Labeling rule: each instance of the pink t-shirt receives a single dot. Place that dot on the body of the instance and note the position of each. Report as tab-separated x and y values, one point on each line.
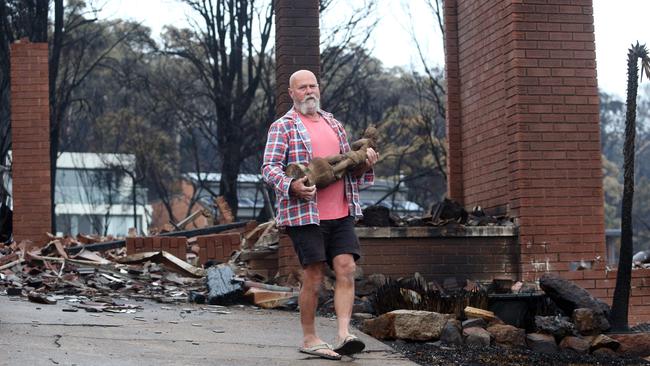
331	201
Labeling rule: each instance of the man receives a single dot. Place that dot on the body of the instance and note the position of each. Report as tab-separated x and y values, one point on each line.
319	222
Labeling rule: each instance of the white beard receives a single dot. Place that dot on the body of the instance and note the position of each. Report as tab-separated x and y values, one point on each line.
309	106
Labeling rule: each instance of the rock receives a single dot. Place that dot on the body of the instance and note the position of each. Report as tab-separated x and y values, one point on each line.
558	326
543	343
575	344
587	322
451	333
633	344
507	335
569	296
476	337
415	325
474	322
603	341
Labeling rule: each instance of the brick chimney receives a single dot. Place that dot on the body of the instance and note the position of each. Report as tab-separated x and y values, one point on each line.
523	124
30	131
297	45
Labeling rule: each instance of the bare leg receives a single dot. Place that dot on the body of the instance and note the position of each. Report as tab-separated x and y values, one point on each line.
344	268
308	301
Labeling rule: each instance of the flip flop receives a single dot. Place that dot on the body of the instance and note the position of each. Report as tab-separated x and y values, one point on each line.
314	351
350	345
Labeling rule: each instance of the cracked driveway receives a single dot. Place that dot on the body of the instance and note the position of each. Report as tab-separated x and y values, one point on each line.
186	334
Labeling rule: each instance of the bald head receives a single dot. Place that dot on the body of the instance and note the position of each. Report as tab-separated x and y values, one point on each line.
303	89
301	76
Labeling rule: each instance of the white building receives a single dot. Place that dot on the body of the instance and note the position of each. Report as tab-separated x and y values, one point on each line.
95	194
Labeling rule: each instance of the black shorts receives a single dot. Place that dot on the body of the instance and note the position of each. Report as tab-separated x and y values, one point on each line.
321	243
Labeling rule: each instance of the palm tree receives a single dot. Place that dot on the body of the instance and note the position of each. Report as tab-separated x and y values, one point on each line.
618	316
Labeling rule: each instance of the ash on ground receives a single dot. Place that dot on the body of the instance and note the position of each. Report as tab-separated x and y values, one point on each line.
431	354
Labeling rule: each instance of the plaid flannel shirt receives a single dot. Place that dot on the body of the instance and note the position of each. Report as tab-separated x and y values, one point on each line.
289	142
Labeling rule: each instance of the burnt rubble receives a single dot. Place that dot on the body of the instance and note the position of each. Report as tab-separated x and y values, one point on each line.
444	213
552	316
65	268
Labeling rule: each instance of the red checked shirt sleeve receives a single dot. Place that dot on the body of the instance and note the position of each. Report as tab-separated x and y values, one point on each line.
274	159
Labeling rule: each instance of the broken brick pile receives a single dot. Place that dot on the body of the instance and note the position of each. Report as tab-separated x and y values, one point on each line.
174	245
218	247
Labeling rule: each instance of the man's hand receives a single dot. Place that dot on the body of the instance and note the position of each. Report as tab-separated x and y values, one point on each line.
373	156
300	190
371	160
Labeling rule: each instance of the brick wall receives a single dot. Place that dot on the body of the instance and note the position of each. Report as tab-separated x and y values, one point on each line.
528	123
30	130
391	252
176	245
440	258
297	45
218	246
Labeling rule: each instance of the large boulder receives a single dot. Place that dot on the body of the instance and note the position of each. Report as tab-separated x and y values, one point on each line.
507	335
569	296
575	344
543	343
415	325
476	337
603	341
633	344
588	322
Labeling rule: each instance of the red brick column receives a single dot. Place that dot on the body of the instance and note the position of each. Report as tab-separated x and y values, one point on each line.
455	150
297	45
529	124
30	129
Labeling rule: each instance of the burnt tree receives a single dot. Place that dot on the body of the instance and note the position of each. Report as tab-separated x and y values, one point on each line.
227	52
619	314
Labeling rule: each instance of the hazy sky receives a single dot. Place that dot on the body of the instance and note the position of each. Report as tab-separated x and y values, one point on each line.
618	24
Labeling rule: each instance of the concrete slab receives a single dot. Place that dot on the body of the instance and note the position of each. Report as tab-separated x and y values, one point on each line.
35	334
